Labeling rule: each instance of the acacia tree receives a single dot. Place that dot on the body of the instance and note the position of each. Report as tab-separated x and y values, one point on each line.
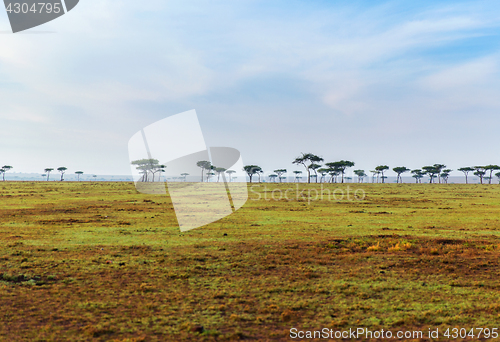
418	175
261	172
4	169
144	171
78	173
210	174
146	166
62	170
432	171
280	172
184	175
466	171
381	169
480	172
252	170
444	175
210	171
375	173
272	177
230	172
315	167
204	165
153	168
323	172
47	171
439	168
399	170
297	175
361	174
219	170
333	171
491	168
340	166
498	176
307	160
159	169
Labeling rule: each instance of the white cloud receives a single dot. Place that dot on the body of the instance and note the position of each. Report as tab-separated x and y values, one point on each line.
480	72
110	61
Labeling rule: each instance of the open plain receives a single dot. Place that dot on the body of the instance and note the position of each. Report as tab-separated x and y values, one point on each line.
99	261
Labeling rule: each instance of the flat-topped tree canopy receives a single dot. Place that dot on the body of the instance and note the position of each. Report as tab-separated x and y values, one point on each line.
252	170
308	160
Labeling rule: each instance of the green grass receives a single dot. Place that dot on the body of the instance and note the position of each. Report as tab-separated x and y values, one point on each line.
99	261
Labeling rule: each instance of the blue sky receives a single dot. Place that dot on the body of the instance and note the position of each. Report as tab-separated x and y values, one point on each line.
375	82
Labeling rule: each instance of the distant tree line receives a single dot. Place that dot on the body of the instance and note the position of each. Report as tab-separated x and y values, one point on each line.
317	170
314	166
47	171
212	170
148	168
62	170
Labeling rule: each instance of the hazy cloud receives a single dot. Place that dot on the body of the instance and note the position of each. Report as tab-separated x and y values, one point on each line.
346	74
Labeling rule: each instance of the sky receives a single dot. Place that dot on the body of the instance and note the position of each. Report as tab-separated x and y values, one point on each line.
398	83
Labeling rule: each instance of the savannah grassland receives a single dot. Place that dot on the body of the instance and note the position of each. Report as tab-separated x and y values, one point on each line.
99	261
